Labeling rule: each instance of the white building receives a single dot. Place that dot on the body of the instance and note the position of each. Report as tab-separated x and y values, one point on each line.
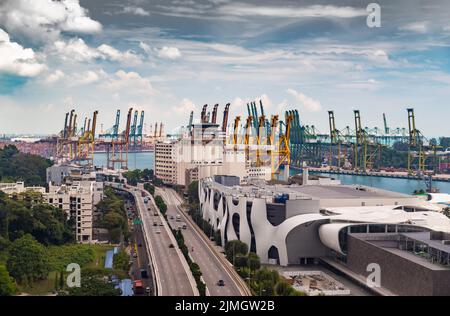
78	201
293	224
19	187
203	155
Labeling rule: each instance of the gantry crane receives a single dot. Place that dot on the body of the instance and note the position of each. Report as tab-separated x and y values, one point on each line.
420	148
86	141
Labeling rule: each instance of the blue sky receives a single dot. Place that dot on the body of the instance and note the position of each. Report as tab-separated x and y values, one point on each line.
169	57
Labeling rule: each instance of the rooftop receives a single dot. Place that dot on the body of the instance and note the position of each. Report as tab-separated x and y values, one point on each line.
316	192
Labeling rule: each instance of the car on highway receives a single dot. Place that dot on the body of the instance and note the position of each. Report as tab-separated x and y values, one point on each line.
155	223
171	217
155	214
171	246
147	290
161	224
158	231
184	226
134	255
220	283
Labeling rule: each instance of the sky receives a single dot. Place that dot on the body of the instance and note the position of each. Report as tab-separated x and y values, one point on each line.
169	57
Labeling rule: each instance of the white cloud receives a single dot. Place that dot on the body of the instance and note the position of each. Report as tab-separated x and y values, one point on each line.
307	102
135	11
86	77
45	19
113	54
129	82
315	11
416	27
169	53
145	47
75	49
185	107
18	60
55	76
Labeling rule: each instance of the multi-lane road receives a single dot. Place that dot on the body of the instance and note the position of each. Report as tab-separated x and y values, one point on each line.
213	264
170	270
173	276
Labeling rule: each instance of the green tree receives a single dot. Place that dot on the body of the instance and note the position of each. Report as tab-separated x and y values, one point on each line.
234	248
27	260
7	285
240	260
253	261
94	286
17	166
121	261
161	204
193	193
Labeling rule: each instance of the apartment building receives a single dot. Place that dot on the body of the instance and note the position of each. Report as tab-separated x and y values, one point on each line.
78	200
164	162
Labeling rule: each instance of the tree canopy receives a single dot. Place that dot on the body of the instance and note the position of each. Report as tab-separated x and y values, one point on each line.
17	166
27	260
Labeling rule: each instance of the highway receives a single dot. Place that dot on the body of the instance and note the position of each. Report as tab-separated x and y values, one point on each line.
213	264
172	275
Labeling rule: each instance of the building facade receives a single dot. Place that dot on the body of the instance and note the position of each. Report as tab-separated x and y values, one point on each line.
298	224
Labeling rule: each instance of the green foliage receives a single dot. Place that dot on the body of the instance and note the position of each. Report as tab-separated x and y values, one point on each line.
253	261
16	166
7	285
27	260
133	176
60	256
234	248
240	260
161	204
282	288
193	193
45	222
113	216
150	188
93	286
121	261
396	158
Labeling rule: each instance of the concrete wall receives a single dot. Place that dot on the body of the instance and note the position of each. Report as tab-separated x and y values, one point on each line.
398	275
304	242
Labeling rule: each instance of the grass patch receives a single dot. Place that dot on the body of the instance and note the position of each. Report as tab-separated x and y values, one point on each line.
87	256
43	287
99	256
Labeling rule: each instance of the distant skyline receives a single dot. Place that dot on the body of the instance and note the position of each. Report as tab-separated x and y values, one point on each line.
169	57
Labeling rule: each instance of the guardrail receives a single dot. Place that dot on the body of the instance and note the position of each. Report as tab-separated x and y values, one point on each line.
155	272
177	249
243	288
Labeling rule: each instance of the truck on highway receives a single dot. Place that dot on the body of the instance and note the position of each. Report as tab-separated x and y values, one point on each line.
138	288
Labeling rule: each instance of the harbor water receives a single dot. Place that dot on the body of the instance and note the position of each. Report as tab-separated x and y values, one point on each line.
144	160
140	160
406	186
